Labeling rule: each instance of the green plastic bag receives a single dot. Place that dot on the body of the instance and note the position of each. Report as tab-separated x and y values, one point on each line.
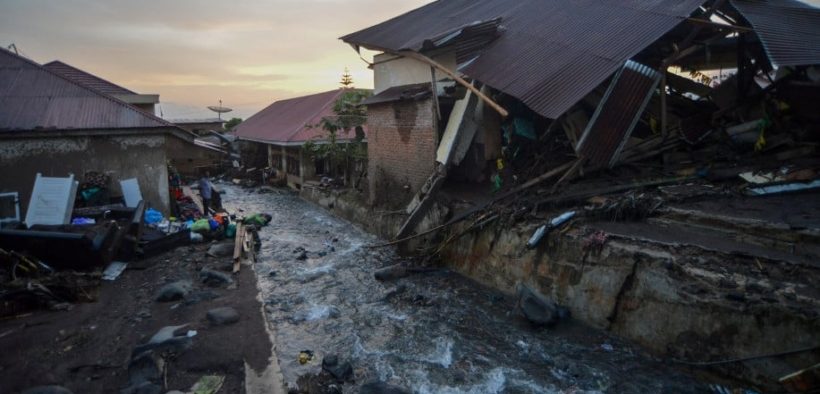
201	226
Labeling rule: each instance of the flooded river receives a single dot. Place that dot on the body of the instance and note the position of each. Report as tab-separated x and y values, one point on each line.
429	333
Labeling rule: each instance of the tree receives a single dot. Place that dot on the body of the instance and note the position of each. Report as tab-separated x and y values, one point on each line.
229	125
347	79
348	115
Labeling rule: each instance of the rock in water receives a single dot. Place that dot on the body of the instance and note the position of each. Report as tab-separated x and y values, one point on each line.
47	390
392	272
539	310
340	371
381	388
222	316
174	291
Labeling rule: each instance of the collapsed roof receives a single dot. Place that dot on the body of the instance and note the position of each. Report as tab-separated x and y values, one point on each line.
550	54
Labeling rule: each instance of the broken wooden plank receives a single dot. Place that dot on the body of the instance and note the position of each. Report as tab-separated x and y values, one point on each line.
425	59
423	201
238	244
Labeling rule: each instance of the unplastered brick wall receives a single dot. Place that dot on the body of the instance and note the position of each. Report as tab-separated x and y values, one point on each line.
402	142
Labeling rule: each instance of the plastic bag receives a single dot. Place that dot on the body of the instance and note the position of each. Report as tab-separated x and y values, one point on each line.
201	226
152	216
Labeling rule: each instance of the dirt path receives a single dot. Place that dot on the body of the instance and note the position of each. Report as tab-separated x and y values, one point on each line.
88	348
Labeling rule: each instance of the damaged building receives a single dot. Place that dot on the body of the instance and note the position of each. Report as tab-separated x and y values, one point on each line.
653	166
281	131
56	120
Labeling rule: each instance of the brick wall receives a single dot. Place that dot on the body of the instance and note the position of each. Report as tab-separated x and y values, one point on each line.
402	141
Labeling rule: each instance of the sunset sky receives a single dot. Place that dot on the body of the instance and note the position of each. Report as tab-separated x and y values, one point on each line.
192	53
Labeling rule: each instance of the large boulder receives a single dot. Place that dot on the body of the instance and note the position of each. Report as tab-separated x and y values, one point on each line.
538	309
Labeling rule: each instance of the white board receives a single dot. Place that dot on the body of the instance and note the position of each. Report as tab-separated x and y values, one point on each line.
52	200
131	192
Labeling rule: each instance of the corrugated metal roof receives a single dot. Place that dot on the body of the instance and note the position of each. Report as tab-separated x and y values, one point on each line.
415	91
617	114
290	121
550	53
85	79
32	98
788	29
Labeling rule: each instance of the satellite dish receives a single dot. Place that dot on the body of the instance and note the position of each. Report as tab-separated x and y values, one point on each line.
219	109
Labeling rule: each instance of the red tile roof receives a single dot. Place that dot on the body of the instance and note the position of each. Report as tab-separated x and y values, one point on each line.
292	121
85	79
34	98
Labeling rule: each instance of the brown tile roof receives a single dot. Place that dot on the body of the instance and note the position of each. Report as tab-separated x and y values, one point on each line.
548	54
86	79
35	98
289	121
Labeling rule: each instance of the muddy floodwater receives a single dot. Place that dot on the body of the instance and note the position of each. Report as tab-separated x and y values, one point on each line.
430	333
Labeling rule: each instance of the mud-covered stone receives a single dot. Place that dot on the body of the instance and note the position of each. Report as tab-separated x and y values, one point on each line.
174	291
223	315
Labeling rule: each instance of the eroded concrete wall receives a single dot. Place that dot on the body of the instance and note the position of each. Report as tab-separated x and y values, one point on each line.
680	301
189	159
122	157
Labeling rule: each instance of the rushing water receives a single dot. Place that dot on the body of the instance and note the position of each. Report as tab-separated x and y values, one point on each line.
431	333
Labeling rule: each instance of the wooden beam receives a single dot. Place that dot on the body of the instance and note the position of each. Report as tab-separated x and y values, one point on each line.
239	240
461	81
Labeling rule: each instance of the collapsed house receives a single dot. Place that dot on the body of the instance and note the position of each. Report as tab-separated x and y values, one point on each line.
283	129
650	128
55	125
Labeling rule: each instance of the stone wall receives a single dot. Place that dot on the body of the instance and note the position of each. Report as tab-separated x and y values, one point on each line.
402	141
121	157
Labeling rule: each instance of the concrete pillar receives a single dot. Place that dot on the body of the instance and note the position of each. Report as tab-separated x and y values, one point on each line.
284	162
301	167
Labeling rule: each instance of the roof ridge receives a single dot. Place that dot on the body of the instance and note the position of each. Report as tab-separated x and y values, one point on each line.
114	100
60	62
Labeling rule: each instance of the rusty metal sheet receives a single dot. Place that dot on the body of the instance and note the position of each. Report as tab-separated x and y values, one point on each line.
617	114
788	29
34	98
549	53
291	121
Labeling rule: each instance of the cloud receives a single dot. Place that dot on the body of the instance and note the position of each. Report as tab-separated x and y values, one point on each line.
193	52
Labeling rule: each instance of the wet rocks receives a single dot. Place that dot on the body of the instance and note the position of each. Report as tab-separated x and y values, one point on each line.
174	291
392	272
223	316
224	249
539	310
47	390
341	371
214	278
301	253
381	388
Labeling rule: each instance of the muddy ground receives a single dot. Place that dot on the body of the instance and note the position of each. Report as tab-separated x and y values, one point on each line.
87	349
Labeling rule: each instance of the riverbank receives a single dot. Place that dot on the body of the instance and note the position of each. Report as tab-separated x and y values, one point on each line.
434	332
88	348
701	281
